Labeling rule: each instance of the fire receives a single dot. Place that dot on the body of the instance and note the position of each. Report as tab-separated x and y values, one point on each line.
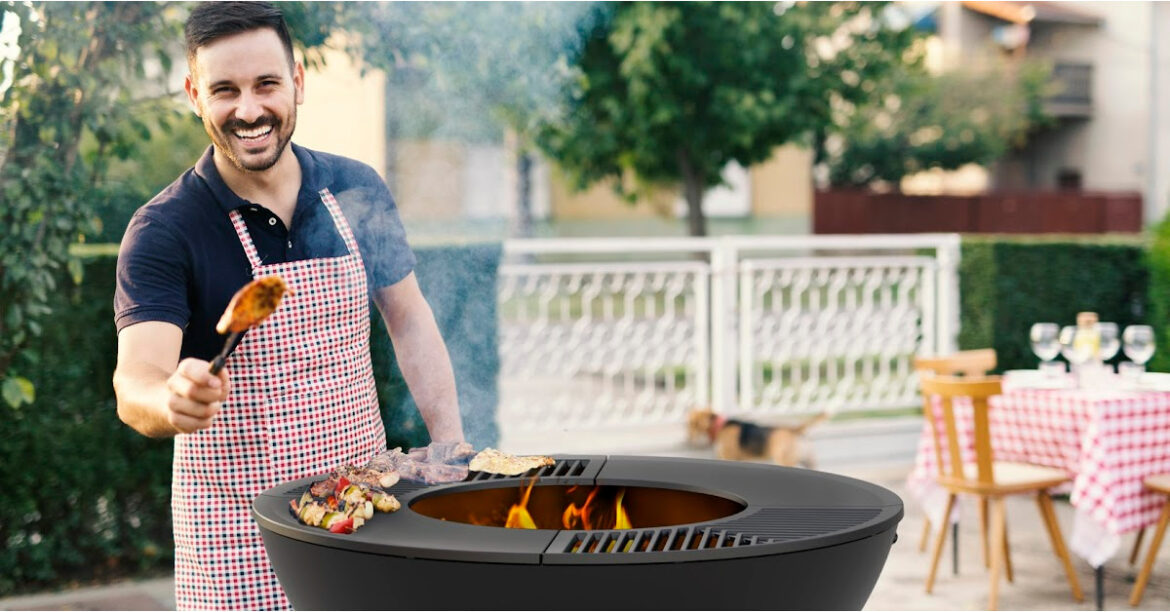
588	515
518	516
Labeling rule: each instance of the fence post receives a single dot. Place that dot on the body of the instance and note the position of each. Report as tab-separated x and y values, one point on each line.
724	257
949	253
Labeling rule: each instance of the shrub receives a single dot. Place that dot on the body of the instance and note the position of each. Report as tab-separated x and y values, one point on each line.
1007	284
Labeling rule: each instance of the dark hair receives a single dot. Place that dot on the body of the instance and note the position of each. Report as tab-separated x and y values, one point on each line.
211	21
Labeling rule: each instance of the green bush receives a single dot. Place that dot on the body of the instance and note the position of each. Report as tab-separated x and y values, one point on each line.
1007	284
1158	263
86	498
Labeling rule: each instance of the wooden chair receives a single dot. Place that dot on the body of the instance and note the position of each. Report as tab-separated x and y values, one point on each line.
1161	484
988	479
977	362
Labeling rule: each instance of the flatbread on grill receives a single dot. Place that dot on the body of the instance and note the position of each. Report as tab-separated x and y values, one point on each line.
492	461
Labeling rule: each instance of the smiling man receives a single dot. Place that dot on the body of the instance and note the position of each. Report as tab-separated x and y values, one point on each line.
297	396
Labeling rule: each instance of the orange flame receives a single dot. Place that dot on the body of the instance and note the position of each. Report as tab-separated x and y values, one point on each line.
622	520
518	516
587	516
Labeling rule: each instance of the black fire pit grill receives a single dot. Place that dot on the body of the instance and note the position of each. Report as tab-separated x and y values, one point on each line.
706	535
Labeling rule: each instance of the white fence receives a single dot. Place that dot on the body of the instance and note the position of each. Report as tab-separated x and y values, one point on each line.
613	333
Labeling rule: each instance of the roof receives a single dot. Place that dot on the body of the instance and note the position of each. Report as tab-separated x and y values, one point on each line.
1027	12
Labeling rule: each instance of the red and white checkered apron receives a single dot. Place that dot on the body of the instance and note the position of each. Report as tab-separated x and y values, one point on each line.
302	402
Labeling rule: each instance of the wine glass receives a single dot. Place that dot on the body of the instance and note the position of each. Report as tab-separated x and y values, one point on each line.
1075	352
1110	340
1138	343
1045	339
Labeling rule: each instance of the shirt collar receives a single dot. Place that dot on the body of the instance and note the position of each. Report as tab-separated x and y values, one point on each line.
315	176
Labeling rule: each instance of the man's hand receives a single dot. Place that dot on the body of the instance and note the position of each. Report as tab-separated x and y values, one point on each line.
195	395
158	395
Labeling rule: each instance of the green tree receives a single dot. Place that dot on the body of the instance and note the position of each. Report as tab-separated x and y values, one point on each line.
79	96
670	93
916	121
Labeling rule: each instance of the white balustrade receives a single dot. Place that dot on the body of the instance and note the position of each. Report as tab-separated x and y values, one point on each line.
610	333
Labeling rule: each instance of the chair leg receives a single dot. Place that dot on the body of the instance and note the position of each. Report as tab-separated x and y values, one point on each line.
1137	546
1007	554
939	540
925	535
1054	534
983	532
996	534
1139	587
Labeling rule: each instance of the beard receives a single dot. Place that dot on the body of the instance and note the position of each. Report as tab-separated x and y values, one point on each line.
243	157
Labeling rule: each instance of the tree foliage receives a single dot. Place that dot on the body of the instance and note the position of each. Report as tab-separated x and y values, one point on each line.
80	95
917	121
673	92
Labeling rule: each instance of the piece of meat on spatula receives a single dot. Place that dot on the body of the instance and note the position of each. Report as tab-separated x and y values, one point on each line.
252	304
247	309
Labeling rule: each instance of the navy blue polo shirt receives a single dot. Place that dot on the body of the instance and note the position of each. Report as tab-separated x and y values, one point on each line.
180	260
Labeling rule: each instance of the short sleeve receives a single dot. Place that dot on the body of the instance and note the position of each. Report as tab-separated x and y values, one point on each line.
372	214
154	266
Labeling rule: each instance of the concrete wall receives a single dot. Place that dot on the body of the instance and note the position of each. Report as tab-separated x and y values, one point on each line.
783	185
344	112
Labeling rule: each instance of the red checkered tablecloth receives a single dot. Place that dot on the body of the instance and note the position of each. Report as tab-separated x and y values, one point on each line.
1108	441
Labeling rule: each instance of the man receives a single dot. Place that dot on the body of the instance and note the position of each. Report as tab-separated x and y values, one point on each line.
297	396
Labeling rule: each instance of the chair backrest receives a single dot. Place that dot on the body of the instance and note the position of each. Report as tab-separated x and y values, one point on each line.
976	362
947	388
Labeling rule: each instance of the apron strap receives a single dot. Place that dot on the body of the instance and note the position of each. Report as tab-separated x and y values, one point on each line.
245	238
340	222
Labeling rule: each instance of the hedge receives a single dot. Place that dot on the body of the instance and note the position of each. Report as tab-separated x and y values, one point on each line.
86	498
1007	284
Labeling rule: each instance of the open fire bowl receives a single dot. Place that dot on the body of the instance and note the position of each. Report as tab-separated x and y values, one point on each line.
705	535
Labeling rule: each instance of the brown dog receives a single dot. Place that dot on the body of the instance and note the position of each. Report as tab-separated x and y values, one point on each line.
738	440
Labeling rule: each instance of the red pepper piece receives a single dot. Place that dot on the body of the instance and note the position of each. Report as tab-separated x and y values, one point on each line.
345	525
342	483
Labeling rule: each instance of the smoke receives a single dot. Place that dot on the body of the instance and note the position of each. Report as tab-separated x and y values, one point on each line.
469	71
459	283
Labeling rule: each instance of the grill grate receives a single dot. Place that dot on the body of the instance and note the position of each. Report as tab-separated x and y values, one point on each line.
562	468
764	527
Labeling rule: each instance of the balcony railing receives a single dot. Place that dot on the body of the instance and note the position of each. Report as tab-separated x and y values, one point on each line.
1073	96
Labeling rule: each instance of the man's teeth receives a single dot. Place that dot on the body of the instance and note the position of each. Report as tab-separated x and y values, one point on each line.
255	133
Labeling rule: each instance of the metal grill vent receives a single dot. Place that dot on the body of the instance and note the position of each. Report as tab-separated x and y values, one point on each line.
656	540
766	526
562	468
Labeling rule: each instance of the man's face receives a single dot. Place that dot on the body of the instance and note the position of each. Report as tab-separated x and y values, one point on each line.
242	88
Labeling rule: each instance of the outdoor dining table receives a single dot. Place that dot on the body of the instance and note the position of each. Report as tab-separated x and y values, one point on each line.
1107	438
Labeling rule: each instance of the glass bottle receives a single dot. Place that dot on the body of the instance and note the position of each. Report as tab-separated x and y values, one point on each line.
1088	338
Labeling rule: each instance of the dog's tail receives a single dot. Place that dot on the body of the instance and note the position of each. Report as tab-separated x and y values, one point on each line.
814	420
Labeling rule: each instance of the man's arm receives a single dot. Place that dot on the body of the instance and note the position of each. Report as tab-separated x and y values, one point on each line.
422	355
158	395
